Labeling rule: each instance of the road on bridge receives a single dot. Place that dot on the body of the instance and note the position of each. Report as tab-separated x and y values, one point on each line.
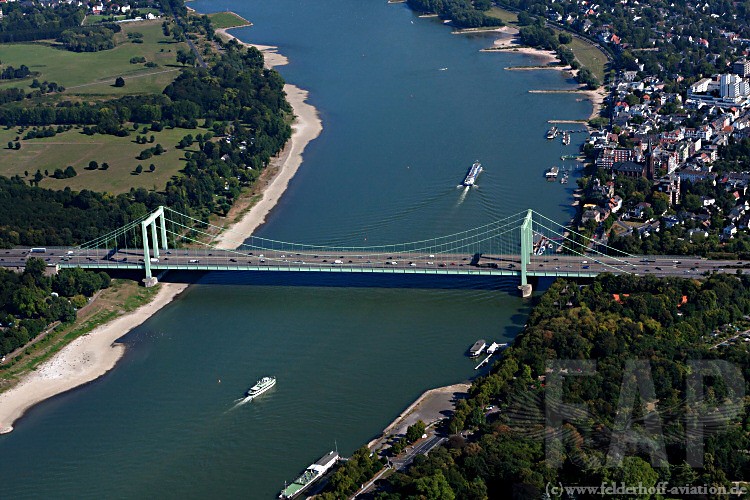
354	261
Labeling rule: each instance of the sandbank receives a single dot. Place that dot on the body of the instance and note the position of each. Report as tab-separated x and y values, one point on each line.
86	358
306	127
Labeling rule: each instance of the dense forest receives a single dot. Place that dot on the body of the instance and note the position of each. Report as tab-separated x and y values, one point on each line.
30	301
664	324
462	13
23	21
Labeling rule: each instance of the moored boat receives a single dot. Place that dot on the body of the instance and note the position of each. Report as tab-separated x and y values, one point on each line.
476	349
552	133
310	475
551	174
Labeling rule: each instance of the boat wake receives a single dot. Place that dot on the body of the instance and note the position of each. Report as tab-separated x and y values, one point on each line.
462	197
239	402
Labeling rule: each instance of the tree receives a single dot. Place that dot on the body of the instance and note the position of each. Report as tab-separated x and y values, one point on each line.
692	202
78	301
17	145
10	144
92	165
151	167
35	267
415	431
564	38
70	172
660	203
38	176
434	487
119	82
104	166
185	57
139	169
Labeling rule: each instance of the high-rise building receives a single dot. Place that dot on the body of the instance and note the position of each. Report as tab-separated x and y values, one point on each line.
741	68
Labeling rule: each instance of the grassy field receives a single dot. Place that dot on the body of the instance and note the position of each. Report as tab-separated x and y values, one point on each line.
590	57
505	16
92	73
587	54
77	149
97	18
227	19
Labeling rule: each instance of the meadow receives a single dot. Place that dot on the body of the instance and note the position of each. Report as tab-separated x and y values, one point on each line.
77	149
94	73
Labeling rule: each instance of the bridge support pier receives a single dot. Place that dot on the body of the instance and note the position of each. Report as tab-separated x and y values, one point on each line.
158	215
527	247
149	282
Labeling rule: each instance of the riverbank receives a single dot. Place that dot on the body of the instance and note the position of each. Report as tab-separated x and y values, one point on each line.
596	97
431	406
85	359
510	41
306	127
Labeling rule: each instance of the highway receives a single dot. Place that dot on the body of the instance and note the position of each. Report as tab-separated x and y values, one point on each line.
355	261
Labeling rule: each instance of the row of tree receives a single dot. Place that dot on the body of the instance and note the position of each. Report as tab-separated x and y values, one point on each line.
91	40
11	73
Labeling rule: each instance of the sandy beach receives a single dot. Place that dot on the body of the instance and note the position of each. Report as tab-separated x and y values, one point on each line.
306	127
510	42
595	96
83	360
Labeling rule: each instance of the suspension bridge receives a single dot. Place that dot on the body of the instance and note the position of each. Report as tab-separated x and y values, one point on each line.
526	245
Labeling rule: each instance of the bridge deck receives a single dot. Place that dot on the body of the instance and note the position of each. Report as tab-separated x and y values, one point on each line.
551	265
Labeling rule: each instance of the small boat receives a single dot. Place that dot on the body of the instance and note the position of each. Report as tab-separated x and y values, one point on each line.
566	138
472	174
476	349
552	133
551	174
260	387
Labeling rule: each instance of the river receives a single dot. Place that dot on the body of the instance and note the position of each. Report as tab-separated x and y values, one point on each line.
399	133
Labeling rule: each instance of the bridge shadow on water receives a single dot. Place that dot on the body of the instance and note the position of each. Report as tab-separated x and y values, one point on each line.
506	284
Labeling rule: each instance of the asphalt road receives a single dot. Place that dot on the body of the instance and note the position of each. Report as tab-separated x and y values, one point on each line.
439	263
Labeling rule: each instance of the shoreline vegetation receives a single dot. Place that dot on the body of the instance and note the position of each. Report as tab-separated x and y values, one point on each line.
306	127
94	353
